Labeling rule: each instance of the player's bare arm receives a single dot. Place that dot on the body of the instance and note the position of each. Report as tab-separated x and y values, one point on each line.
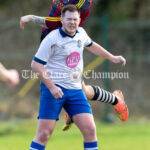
32	18
100	51
43	76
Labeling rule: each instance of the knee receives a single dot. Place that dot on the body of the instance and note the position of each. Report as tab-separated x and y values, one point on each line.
89	92
90	132
43	136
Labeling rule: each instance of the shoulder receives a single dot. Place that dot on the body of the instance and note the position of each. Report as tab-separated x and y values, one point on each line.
53	33
81	30
53	36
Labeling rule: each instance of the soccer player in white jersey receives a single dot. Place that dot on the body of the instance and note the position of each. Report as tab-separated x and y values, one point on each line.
59	65
94	92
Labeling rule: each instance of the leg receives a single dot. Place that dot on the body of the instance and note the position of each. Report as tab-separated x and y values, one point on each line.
85	122
44	131
98	94
88	90
49	110
95	93
79	110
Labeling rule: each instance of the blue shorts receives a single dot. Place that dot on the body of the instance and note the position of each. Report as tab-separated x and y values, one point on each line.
73	101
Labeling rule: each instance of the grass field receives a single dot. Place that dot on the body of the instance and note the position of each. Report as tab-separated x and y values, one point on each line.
121	136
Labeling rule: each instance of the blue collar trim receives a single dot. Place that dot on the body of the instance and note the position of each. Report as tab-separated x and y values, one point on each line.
65	34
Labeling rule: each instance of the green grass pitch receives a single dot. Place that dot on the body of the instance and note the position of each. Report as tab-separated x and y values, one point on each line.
120	136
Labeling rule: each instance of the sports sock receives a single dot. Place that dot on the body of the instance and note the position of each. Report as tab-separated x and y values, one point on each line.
104	96
36	146
91	145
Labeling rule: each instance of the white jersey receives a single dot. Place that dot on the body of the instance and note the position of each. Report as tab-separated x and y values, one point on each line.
62	56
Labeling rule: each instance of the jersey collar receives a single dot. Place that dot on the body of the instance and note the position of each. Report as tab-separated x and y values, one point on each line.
65	34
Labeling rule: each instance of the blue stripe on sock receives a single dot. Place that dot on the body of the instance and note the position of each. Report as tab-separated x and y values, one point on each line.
37	146
91	145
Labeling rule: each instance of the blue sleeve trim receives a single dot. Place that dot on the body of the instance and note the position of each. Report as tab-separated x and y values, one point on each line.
39	61
90	44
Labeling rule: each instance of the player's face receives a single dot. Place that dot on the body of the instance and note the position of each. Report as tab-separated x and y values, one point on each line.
70	22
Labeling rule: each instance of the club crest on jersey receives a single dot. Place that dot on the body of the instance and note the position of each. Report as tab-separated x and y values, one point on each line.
79	43
75	75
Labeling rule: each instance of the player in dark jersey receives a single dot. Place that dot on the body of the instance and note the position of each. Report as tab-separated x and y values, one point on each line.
53	22
53	19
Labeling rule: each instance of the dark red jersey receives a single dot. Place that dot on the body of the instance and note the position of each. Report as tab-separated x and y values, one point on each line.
53	21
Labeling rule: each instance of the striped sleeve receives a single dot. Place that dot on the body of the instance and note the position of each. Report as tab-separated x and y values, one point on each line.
52	22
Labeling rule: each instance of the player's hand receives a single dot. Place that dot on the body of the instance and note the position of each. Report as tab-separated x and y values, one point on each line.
12	78
25	20
56	92
119	59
